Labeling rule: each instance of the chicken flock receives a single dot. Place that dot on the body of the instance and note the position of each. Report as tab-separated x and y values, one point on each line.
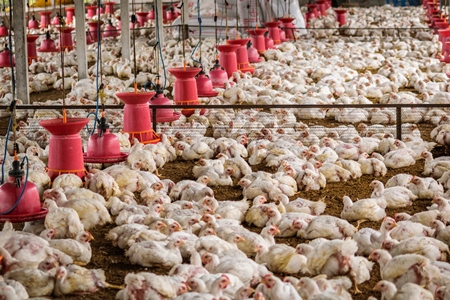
213	249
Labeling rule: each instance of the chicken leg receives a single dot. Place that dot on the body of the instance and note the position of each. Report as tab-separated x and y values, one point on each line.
359	222
113	286
356	290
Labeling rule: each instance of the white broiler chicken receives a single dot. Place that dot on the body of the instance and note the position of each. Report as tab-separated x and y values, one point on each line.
409	290
191	190
314	208
102	183
425	188
273	288
372	209
330	227
121	235
67	180
252	239
79	248
64	220
126	178
406	229
155	253
371	165
395	197
281	258
369	239
404	268
430	247
194	151
90	211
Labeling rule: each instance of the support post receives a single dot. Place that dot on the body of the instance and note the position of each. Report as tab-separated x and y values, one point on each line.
185	28
125	29
398	115
159	8
20	49
80	37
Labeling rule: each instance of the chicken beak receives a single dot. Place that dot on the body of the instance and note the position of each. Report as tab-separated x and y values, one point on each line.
91	237
277	230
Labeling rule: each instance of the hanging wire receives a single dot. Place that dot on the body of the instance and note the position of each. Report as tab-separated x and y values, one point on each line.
226	20
134	20
215	26
237	21
159	46
289	8
199	43
61	51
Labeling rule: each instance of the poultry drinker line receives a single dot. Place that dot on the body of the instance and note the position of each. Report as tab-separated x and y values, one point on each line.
227	52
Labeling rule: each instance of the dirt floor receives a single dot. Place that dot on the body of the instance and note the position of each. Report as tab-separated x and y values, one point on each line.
116	265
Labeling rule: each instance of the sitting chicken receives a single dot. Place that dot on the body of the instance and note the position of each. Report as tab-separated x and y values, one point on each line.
404	268
314	208
190	189
329	227
372	209
273	288
406	229
126	178
251	239
67	180
409	290
75	279
396	196
90	211
369	239
431	248
102	183
79	248
281	258
333	172
425	188
64	220
153	253
194	151
121	235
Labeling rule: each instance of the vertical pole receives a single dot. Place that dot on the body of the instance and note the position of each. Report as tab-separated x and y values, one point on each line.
80	37
185	12
20	49
398	116
160	24
125	28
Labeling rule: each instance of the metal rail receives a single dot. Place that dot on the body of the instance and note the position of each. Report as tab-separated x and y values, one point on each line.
154	109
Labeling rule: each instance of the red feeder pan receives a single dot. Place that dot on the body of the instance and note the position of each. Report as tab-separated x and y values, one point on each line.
268	42
103	146
242	55
70	12
258	40
185	88
227	58
33	23
94	27
3	30
136	116
29	207
164	114
253	55
45	18
66	149
110	31
5	59
218	75
340	16
204	85
274	31
288	27
48	45
109	7
31	47
91	10
65	38
151	14
142	17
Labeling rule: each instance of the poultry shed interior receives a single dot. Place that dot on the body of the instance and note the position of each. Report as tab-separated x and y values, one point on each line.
277	150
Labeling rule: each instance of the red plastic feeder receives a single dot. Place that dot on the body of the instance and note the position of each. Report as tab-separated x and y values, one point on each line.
5	58
313	9
258	40
103	146
91	10
48	45
242	55
204	85
94	27
55	20
70	12
227	58
322	6
268	42
288	27
171	15
142	17
163	114
185	88
253	55
218	75
443	35
274	31
340	16
446	52
45	18
136	116
3	30
151	14
66	148
13	207
65	37
89	39
33	23
109	7
110	31
31	47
